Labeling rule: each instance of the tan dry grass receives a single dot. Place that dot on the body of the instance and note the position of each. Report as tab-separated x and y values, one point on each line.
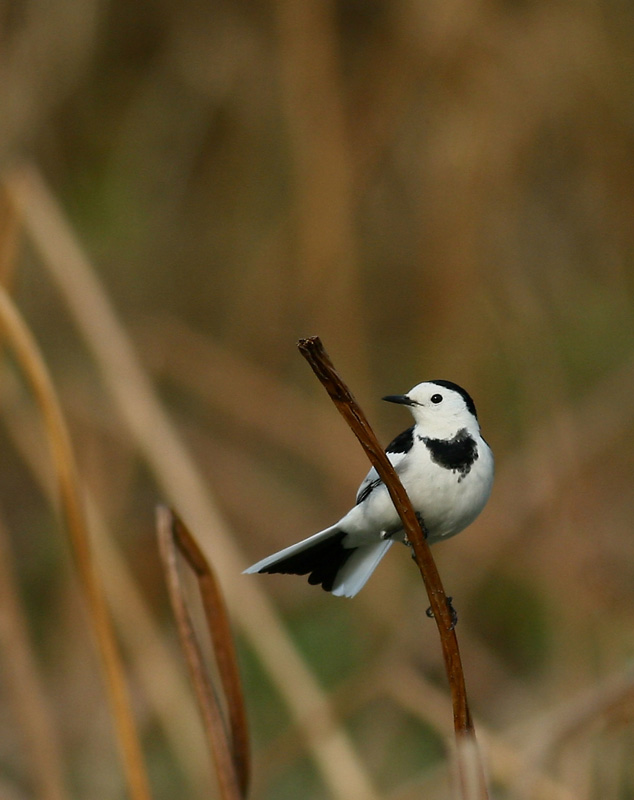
456	179
182	484
22	343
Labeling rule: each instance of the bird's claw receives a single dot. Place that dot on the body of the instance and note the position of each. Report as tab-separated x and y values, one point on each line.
421	522
452	612
385	534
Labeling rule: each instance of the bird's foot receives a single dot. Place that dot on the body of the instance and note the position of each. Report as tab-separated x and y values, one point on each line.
402	534
452	612
406	541
421	522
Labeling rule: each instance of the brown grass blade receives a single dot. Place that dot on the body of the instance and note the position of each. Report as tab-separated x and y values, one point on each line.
472	773
229	753
30	359
508	761
153	664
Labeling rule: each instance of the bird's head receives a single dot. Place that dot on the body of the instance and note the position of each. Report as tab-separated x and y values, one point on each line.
441	408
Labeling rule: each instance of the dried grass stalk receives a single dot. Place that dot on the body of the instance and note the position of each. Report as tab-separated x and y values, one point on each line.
32	363
229	750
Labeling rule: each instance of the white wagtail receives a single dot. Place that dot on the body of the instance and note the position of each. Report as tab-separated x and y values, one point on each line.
446	468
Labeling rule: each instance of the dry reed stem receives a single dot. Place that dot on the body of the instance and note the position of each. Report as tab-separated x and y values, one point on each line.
507	762
229	753
25	690
152	661
30	359
400	678
182	484
220	631
471	771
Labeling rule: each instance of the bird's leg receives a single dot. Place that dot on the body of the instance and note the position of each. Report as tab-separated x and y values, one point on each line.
390	534
423	527
452	611
406	541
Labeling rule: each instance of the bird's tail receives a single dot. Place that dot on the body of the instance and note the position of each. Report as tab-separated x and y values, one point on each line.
327	561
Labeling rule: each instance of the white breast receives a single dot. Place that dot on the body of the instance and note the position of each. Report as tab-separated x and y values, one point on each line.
447	500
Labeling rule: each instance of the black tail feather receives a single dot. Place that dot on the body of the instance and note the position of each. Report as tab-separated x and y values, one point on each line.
322	560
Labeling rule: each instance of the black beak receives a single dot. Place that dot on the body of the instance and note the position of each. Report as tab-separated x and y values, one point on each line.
402	399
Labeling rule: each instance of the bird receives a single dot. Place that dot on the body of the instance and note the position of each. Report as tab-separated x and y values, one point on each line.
446	468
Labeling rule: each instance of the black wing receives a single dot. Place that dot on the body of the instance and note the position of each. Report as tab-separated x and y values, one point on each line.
395	450
402	443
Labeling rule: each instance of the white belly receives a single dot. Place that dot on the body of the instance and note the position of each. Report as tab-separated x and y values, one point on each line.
447	500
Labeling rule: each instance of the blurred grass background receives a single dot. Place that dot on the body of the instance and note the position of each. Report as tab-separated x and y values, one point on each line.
439	189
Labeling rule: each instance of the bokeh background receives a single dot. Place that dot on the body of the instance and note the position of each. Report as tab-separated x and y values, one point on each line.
439	189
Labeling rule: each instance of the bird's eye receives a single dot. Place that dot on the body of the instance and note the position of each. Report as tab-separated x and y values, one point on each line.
436	398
